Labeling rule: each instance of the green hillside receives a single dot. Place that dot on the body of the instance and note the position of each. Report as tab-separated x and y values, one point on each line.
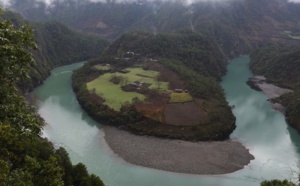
194	50
279	64
57	45
186	63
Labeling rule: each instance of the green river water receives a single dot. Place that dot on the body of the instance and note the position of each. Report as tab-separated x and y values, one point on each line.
260	128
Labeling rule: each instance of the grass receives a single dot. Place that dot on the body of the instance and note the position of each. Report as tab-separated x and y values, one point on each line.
146	76
180	97
102	67
112	93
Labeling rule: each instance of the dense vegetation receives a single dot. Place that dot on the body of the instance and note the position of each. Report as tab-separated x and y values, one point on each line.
58	45
25	157
281	66
195	51
197	61
278	183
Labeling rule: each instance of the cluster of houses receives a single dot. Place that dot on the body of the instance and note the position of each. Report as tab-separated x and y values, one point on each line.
138	85
130	54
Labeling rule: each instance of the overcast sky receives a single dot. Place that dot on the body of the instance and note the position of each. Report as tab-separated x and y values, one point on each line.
6	2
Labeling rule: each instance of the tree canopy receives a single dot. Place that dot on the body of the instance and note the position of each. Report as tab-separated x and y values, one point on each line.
25	157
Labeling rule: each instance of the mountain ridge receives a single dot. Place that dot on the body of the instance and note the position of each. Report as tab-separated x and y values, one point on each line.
238	26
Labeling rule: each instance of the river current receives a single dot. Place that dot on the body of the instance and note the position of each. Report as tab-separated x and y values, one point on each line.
261	129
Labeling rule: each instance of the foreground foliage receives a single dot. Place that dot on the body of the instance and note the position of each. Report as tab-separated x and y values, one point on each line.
25	157
278	183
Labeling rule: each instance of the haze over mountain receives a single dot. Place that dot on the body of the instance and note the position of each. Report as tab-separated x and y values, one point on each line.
238	26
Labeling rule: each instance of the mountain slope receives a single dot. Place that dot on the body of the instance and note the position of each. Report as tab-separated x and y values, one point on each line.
237	26
57	45
195	50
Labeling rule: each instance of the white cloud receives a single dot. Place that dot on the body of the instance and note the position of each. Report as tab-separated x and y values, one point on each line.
294	1
5	3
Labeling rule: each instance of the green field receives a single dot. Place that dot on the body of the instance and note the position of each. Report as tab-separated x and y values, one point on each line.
146	76
112	93
102	67
180	97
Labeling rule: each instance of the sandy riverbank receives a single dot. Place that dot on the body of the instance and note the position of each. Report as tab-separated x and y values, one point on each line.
271	91
178	156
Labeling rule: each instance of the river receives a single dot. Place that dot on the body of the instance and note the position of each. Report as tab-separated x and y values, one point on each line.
260	128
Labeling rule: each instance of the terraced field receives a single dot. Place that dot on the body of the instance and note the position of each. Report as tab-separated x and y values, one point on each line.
180	97
113	94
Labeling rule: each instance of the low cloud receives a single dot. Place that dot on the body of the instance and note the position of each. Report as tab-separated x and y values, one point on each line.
6	3
294	1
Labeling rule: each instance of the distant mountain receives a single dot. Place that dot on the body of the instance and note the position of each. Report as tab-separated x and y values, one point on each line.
237	26
57	45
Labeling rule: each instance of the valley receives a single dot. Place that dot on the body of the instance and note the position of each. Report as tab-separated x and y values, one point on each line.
163	87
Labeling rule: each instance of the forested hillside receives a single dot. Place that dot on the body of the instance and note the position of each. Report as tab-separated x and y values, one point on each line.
57	45
25	157
184	60
196	51
281	66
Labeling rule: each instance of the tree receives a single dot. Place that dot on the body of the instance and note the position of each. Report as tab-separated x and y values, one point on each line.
277	183
25	157
16	61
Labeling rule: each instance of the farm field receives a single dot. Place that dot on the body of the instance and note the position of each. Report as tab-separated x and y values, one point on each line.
102	67
180	97
113	94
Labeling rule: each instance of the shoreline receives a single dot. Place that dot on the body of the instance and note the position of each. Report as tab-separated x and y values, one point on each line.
203	158
271	91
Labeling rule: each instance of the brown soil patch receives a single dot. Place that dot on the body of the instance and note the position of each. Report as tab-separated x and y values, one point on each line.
151	110
175	82
96	99
184	114
153	106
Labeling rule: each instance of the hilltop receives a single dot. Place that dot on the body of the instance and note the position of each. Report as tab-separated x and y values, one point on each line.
163	85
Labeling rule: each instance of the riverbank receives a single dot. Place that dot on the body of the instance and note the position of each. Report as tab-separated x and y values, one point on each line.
178	156
259	83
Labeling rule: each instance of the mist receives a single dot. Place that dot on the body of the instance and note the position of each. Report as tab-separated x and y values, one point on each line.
7	3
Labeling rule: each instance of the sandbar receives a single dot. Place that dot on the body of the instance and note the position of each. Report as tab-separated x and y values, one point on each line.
203	158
